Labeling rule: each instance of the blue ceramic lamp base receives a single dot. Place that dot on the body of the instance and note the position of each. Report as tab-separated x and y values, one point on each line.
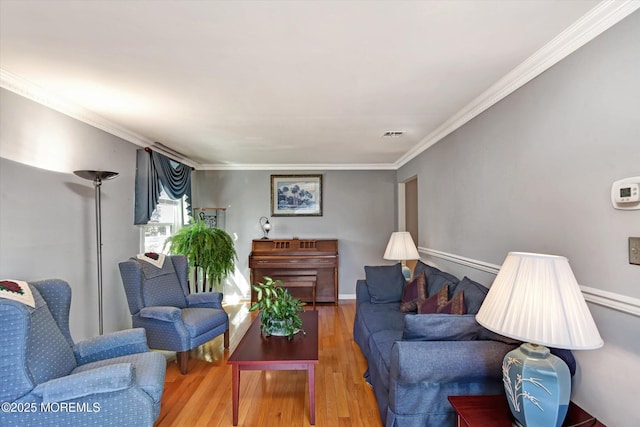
538	386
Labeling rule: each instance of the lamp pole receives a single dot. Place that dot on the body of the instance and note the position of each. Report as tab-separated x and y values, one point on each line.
97	177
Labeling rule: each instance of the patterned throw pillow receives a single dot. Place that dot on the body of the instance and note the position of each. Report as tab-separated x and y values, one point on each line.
413	292
440	303
434	302
454	306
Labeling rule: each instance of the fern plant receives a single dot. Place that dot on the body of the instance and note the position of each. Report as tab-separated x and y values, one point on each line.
279	310
208	250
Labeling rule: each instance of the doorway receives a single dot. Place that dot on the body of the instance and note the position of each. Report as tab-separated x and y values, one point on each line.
408	210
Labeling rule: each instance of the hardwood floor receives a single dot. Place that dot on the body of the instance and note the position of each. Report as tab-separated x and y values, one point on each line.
273	398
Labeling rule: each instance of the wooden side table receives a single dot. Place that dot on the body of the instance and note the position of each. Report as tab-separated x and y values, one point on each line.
493	411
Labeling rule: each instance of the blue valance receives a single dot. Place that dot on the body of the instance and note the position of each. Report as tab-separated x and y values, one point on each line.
154	172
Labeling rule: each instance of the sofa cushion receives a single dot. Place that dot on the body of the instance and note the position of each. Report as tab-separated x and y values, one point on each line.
380	317
421	266
380	344
434	302
437	280
201	320
440	327
474	294
413	292
488	335
385	283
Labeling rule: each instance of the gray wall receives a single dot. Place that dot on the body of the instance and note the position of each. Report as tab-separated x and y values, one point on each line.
358	210
534	174
47	218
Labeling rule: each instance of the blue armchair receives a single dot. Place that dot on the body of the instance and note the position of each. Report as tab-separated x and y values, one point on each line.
159	302
46	379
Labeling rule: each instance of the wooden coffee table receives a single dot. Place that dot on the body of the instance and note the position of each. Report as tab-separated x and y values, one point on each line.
258	353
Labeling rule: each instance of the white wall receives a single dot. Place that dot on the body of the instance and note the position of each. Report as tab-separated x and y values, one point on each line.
534	173
358	210
47	217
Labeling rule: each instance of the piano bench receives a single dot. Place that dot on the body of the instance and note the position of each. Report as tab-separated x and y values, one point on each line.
302	282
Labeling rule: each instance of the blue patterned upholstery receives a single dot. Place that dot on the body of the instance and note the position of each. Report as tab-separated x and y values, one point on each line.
109	380
159	302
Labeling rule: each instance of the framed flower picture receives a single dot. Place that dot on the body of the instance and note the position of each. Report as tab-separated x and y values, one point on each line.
296	195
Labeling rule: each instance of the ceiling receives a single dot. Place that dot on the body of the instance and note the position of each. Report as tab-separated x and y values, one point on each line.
280	84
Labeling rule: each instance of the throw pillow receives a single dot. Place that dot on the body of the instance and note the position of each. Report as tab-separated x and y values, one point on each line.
436	280
434	302
385	283
454	306
421	266
474	294
413	292
440	327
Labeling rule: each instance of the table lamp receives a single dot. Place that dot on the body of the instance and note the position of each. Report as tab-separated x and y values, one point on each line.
535	298
265	225
401	248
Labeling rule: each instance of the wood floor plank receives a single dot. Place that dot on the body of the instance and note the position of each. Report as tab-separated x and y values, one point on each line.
273	398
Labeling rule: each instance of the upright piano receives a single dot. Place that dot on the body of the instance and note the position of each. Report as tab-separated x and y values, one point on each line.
307	267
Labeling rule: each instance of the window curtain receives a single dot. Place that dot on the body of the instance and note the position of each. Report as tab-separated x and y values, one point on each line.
154	172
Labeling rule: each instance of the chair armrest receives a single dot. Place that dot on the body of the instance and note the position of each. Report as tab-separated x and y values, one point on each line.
205	300
446	361
120	343
162	312
105	379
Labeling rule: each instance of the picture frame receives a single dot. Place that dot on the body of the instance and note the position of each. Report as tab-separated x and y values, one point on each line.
296	195
213	217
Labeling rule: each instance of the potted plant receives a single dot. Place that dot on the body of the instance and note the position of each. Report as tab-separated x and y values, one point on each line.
209	250
279	310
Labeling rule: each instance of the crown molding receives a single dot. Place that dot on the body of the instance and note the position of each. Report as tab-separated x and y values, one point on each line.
599	19
304	167
35	93
58	103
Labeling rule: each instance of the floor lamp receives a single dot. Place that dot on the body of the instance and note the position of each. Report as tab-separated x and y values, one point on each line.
97	177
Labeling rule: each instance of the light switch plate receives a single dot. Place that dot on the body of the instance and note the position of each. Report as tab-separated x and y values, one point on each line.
634	250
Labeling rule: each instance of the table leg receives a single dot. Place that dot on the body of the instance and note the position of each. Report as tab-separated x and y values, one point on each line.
235	392
311	369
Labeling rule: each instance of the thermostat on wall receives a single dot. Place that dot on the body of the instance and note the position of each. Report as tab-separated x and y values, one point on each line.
625	193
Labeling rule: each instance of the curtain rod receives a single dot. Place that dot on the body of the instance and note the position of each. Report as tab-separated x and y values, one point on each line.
149	150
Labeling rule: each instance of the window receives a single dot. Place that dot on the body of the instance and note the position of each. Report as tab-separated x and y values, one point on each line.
169	217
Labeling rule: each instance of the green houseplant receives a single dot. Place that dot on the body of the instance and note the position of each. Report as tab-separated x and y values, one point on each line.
208	250
279	310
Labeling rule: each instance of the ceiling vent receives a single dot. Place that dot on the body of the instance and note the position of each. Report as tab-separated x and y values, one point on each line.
393	134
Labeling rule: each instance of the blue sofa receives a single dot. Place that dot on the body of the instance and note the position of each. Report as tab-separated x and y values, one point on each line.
48	380
417	360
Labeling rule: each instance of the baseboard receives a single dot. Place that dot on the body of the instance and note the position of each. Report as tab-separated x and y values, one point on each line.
623	303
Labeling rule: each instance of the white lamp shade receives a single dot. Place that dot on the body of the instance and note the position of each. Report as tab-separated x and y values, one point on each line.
536	298
401	247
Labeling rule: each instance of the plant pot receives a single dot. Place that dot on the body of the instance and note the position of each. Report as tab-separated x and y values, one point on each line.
280	331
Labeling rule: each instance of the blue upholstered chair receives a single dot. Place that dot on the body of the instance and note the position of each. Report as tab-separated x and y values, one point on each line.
175	320
47	380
